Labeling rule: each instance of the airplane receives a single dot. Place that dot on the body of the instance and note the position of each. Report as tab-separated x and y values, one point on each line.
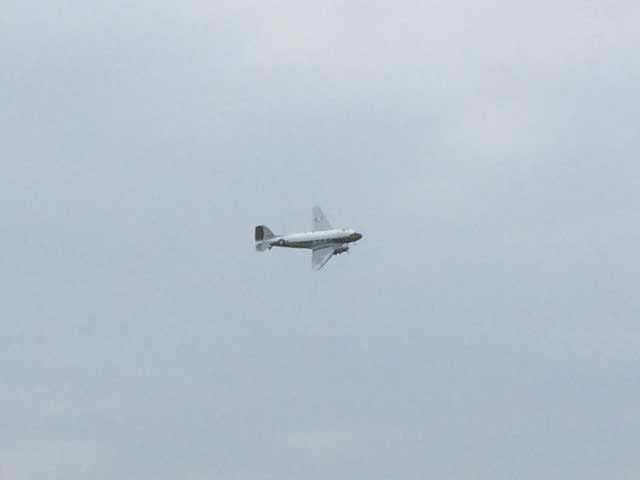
324	241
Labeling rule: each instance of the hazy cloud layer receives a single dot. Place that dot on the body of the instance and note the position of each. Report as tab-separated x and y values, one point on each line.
485	328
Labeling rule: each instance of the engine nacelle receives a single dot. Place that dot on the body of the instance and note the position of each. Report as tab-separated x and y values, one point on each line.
341	249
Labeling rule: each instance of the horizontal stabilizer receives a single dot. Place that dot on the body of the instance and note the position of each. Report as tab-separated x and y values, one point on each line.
262	246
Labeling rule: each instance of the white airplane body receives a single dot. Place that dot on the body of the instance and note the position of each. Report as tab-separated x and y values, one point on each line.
324	241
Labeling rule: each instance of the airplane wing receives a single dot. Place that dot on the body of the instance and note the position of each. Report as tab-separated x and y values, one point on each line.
320	256
320	222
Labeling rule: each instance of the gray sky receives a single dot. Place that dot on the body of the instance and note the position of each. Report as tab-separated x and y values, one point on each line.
485	328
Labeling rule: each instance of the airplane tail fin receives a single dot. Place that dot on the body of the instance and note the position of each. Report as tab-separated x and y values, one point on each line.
263	234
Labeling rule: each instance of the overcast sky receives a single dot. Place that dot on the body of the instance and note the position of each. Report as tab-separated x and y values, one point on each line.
486	327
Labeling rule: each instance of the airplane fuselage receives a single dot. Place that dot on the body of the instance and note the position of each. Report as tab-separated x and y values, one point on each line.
313	240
